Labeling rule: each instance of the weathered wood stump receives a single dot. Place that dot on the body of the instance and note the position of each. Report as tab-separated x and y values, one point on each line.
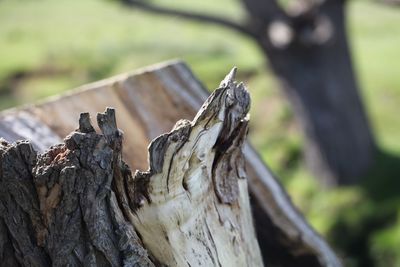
79	204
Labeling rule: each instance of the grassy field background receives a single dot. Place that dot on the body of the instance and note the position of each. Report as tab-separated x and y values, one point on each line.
48	46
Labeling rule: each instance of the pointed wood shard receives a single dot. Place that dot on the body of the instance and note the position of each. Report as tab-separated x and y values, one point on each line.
229	78
197	211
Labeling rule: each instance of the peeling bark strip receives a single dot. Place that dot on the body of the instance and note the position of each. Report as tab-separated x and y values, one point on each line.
77	204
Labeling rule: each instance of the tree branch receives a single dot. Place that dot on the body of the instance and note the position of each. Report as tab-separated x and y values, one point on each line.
264	10
188	15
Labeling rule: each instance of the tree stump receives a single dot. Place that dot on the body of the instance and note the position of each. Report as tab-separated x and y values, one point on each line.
79	204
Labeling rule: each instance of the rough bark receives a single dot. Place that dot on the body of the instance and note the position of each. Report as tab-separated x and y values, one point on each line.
147	106
58	208
308	51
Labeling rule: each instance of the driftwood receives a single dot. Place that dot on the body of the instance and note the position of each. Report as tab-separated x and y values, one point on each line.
78	203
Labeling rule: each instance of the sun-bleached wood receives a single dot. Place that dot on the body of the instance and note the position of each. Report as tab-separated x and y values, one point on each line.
149	102
195	210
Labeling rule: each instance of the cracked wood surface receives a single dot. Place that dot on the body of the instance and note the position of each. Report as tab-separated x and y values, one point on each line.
197	209
149	103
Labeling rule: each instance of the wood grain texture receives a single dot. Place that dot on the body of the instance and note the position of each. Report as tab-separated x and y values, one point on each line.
197	210
149	102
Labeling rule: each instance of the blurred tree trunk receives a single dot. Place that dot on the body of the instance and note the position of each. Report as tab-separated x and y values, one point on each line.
308	50
311	57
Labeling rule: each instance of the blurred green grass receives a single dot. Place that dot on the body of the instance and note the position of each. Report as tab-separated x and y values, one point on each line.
48	46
